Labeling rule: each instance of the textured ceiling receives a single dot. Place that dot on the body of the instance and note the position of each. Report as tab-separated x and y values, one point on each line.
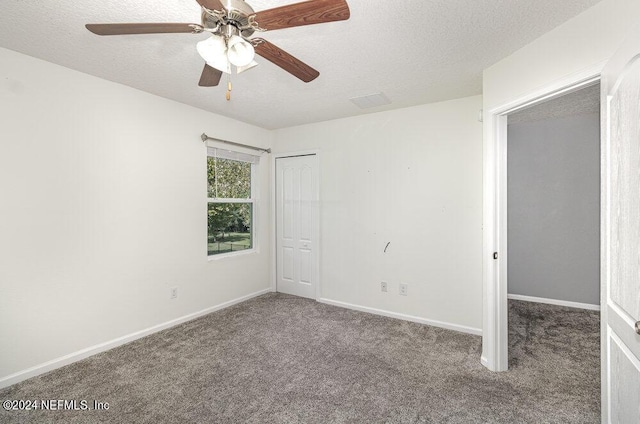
581	102
414	51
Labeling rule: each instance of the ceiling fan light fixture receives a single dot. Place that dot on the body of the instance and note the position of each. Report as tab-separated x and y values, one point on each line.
241	69
214	51
239	51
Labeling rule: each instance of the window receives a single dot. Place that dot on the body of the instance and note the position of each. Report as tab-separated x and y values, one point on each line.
231	203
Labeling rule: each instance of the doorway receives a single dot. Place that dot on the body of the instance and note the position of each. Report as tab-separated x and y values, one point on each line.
620	161
495	342
553	250
297	226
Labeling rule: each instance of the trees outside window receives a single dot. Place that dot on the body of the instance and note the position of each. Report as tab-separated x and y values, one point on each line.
230	202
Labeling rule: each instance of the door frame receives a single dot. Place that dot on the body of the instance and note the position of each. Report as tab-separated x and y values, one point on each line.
274	222
495	333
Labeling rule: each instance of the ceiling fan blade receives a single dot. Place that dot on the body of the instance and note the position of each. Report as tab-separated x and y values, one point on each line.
211	4
304	13
210	77
284	60
159	28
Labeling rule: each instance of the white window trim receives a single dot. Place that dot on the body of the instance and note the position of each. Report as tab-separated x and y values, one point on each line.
254	221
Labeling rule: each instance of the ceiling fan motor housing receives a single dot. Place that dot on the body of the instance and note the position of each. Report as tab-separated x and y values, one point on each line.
236	13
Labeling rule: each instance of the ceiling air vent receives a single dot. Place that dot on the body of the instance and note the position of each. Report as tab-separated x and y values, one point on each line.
370	100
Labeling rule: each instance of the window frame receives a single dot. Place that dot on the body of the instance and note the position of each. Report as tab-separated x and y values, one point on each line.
251	200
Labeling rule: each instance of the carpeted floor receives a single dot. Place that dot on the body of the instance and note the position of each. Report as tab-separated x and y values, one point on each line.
284	359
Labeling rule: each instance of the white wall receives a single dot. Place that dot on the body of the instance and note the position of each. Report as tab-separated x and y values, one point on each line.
571	50
412	177
103	209
587	40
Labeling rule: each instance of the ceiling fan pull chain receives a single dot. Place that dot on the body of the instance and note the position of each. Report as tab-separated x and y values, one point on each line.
229	87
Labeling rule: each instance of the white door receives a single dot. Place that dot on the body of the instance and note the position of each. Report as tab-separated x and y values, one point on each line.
297	225
621	236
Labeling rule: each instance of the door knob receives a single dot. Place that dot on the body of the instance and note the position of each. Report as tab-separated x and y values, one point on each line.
637	327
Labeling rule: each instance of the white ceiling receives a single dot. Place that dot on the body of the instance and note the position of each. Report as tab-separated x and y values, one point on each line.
580	102
414	51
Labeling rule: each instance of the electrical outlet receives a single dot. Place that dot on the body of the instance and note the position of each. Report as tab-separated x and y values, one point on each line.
404	289
174	293
383	286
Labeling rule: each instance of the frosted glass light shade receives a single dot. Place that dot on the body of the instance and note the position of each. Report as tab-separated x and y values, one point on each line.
241	69
240	52
214	51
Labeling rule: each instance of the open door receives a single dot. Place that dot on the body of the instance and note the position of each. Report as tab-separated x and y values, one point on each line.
620	236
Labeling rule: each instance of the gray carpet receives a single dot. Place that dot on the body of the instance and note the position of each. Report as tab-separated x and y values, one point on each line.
283	359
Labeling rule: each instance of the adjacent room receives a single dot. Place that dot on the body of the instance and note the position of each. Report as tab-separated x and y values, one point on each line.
553	197
273	211
554	201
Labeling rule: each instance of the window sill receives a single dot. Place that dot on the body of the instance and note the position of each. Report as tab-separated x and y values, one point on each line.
232	254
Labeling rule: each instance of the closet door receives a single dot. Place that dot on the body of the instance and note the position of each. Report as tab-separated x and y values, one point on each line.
297	225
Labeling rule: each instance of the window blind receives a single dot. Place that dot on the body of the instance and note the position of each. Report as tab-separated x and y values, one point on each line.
232	155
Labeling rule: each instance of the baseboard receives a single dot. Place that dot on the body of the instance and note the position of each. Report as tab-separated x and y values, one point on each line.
484	361
554	302
90	351
434	323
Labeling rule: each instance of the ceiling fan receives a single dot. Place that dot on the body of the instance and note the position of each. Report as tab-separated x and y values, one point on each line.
231	23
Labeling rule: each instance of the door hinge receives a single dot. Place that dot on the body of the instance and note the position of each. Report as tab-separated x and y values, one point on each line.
495	255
